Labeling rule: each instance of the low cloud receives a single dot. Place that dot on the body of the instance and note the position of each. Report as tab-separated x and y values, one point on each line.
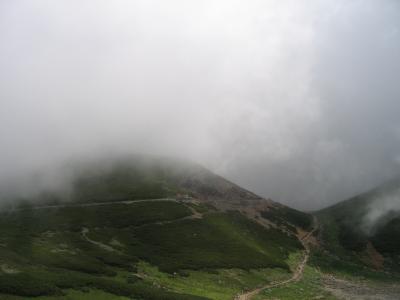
297	101
382	209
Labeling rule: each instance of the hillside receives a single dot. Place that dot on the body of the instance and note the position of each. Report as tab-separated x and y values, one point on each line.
148	229
140	177
363	230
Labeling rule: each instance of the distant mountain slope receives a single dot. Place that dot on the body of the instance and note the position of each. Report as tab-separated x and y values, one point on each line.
128	223
365	228
141	177
146	177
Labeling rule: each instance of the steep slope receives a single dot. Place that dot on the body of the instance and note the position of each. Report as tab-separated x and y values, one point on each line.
365	228
140	177
145	177
145	228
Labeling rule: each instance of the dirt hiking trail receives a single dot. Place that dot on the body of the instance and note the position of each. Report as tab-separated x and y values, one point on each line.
298	273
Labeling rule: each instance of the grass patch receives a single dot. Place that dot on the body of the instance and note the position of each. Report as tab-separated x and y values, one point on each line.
74	218
52	257
216	241
309	287
288	217
70	294
218	284
53	282
329	263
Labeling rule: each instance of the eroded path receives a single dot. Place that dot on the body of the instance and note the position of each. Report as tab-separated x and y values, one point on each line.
297	274
85	232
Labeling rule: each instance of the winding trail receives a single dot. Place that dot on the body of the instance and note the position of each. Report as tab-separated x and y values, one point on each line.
85	232
90	204
298	273
194	215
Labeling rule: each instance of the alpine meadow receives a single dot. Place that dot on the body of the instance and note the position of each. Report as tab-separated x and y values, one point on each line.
199	150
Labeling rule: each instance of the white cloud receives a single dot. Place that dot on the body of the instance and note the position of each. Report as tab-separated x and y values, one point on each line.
265	92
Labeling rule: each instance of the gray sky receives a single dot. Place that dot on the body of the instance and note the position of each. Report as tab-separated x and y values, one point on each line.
296	100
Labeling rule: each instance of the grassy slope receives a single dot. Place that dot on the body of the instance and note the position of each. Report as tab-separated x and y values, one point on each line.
49	253
344	237
309	287
155	239
245	244
288	217
221	284
132	178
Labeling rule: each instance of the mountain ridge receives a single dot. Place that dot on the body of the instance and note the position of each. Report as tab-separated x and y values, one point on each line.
128	224
365	225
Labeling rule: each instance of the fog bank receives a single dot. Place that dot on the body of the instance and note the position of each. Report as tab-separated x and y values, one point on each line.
294	100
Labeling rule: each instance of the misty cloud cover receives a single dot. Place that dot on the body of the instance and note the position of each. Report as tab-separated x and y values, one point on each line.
295	100
380	209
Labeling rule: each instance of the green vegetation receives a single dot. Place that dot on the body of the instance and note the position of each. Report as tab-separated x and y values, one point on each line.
309	287
51	282
288	217
70	294
347	268
123	181
46	251
344	231
216	241
66	251
383	238
342	226
349	219
343	253
201	207
74	218
218	284
163	249
340	239
117	179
